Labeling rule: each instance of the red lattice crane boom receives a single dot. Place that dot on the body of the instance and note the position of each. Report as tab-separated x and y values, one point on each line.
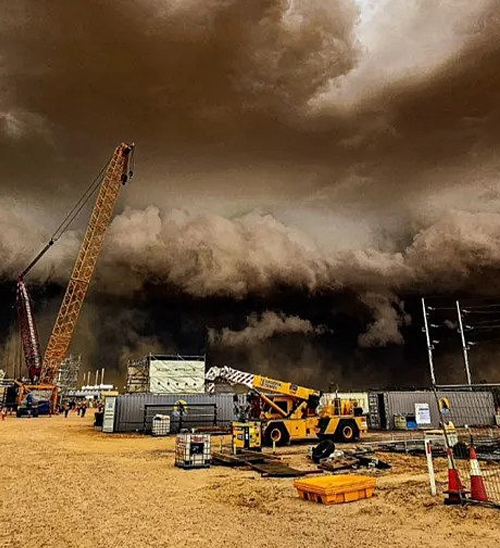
29	333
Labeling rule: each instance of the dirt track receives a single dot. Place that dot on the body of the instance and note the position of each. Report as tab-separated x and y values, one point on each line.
65	485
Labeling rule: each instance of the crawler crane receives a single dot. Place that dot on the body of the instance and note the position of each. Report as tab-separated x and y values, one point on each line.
42	373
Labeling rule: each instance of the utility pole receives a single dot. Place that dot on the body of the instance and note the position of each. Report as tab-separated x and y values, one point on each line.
464	343
429	344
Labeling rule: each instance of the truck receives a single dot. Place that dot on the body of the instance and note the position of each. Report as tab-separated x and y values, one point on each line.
289	412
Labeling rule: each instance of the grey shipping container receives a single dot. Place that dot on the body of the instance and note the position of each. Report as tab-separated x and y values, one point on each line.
134	411
467	408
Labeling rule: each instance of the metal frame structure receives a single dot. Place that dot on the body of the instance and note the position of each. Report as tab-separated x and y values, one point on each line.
86	261
67	376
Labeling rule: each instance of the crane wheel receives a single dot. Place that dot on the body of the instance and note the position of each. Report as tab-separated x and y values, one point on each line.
276	432
347	431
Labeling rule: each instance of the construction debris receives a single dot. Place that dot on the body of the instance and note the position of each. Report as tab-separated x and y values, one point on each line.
229	459
339	463
267	465
348	459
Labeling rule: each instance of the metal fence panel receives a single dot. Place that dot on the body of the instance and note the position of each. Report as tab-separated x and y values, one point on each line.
129	414
201	414
472	420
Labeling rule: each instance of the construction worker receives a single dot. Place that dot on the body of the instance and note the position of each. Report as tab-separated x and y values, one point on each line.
180	407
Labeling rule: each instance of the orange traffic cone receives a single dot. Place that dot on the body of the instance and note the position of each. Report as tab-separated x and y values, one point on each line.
456	490
477	488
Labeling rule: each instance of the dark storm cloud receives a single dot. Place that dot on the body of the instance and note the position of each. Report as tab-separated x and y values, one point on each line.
321	146
181	73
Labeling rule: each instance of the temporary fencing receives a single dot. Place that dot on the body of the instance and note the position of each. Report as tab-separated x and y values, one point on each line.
473	449
135	412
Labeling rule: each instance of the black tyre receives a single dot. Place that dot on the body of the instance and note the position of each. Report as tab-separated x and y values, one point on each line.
276	432
347	431
323	450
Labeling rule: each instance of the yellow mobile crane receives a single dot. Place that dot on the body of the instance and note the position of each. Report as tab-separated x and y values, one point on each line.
289	412
42	373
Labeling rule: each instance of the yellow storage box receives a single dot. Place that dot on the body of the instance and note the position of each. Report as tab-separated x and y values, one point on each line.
335	489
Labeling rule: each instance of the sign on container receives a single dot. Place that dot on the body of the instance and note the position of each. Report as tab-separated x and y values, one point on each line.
422	414
108	420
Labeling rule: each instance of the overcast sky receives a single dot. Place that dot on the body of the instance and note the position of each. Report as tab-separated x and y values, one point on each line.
323	145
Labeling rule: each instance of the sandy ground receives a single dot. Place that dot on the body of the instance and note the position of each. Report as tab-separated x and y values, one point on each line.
65	485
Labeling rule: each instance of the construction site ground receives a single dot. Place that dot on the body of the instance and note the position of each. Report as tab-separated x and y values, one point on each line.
63	484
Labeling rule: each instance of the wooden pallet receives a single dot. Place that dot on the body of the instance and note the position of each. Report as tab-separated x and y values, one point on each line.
228	459
279	470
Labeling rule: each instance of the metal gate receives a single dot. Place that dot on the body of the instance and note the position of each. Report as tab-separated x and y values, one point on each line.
197	415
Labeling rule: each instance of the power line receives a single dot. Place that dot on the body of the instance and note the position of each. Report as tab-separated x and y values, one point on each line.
481	312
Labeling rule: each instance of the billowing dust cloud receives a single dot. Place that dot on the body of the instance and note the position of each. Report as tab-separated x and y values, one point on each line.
261	328
339	149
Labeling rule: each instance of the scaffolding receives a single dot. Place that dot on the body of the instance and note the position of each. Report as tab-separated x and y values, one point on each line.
67	376
137	376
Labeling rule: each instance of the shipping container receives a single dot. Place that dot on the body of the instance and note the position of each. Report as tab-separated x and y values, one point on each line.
468	407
